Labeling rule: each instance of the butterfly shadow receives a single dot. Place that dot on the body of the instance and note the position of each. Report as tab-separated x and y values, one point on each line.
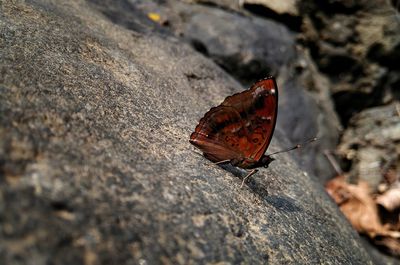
260	188
251	182
283	203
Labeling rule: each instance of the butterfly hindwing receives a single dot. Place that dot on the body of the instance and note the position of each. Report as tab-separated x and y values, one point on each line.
217	134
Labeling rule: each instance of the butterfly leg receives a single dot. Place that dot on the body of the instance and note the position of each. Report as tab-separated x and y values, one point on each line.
222	162
252	172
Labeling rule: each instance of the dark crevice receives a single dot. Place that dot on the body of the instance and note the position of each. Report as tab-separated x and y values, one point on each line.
396	5
211	4
395	89
245	74
390	59
331	8
292	22
199	46
347	104
215	5
337	64
61	206
345	164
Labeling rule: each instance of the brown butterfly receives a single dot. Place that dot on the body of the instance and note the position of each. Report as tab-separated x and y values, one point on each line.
239	130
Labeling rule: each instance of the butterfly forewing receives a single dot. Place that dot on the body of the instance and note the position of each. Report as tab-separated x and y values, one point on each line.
264	120
241	127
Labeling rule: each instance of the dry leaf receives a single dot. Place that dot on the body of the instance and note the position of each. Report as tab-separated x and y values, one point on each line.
358	205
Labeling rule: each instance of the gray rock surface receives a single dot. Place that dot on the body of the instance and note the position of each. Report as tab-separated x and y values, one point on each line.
248	47
95	164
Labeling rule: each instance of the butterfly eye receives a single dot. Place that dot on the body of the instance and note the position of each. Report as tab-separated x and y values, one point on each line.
266	160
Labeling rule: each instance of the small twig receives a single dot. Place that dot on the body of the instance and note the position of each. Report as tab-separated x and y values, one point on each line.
333	162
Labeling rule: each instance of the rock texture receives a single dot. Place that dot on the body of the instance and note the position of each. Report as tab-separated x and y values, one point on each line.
356	43
247	47
370	143
96	108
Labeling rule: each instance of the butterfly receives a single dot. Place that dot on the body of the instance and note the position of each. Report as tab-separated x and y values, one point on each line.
240	129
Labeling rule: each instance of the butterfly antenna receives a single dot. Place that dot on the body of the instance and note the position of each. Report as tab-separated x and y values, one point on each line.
297	146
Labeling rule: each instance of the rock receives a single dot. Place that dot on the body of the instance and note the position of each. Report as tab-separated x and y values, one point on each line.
340	31
370	143
279	7
247	47
95	164
356	44
301	125
305	112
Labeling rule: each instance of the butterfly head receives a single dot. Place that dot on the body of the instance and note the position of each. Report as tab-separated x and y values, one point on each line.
266	160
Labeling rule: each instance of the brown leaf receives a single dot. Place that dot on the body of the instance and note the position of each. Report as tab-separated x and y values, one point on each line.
337	189
357	204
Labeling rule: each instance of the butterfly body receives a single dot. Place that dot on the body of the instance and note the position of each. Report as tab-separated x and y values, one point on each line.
240	129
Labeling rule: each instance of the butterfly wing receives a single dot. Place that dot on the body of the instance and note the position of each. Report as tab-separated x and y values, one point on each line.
217	134
241	127
258	108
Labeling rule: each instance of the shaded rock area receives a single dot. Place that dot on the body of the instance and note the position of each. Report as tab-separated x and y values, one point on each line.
96	106
370	143
246	47
357	44
354	44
